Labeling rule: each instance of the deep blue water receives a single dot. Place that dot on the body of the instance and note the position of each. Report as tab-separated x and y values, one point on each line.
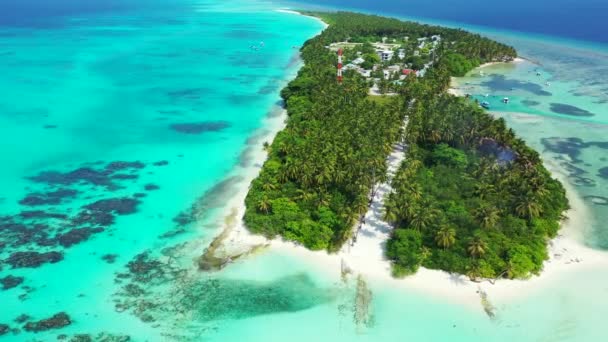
576	19
44	13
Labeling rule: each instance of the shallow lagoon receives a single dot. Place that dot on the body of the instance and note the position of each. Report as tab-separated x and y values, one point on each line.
98	99
176	95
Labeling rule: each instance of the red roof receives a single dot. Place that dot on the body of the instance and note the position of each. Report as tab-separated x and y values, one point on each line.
407	71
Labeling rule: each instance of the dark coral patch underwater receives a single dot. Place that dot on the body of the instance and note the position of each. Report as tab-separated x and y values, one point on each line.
209	299
565	109
200	127
88	175
34	238
33	259
57	321
10	282
500	83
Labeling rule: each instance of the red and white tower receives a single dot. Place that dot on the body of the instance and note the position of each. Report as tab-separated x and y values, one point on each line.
340	66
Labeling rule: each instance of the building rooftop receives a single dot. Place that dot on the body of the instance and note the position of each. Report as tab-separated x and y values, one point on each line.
358	60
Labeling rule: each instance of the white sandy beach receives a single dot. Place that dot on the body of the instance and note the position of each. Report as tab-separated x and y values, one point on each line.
366	256
457	89
289	11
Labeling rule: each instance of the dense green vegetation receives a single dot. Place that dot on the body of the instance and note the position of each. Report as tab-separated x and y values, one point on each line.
471	197
321	167
456	206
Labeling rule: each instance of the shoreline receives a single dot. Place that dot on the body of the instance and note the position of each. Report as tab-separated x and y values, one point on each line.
457	90
566	252
290	11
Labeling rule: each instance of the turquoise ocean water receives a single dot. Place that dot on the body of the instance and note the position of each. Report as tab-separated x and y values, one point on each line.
173	94
136	122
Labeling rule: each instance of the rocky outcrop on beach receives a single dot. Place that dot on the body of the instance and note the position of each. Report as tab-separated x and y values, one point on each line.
220	252
363	299
489	309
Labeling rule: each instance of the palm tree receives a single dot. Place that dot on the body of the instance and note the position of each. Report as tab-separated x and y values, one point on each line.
474	273
421	217
282	177
339	176
487	216
414	191
303	195
264	205
435	135
483	190
528	207
477	247
291	168
268	186
445	237
322	199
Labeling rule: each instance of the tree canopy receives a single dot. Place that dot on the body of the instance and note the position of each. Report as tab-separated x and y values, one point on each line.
458	203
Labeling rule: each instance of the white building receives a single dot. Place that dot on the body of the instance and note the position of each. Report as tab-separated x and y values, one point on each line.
385	55
394	68
401	53
358	61
365	73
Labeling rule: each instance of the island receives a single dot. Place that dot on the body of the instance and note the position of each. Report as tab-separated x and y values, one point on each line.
470	197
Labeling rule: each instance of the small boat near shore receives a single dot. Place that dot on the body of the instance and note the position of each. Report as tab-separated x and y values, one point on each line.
485	104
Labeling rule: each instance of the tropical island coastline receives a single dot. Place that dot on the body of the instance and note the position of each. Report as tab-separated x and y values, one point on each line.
434	281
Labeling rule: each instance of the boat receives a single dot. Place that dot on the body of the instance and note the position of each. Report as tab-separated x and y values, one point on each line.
505	100
485	104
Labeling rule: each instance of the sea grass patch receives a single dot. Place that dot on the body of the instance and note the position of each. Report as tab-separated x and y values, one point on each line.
77	235
57	321
603	172
151	187
189	93
530	103
566	109
500	83
209	299
109	258
33	259
41	214
200	127
120	206
48	198
123	165
10	282
105	176
597	200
